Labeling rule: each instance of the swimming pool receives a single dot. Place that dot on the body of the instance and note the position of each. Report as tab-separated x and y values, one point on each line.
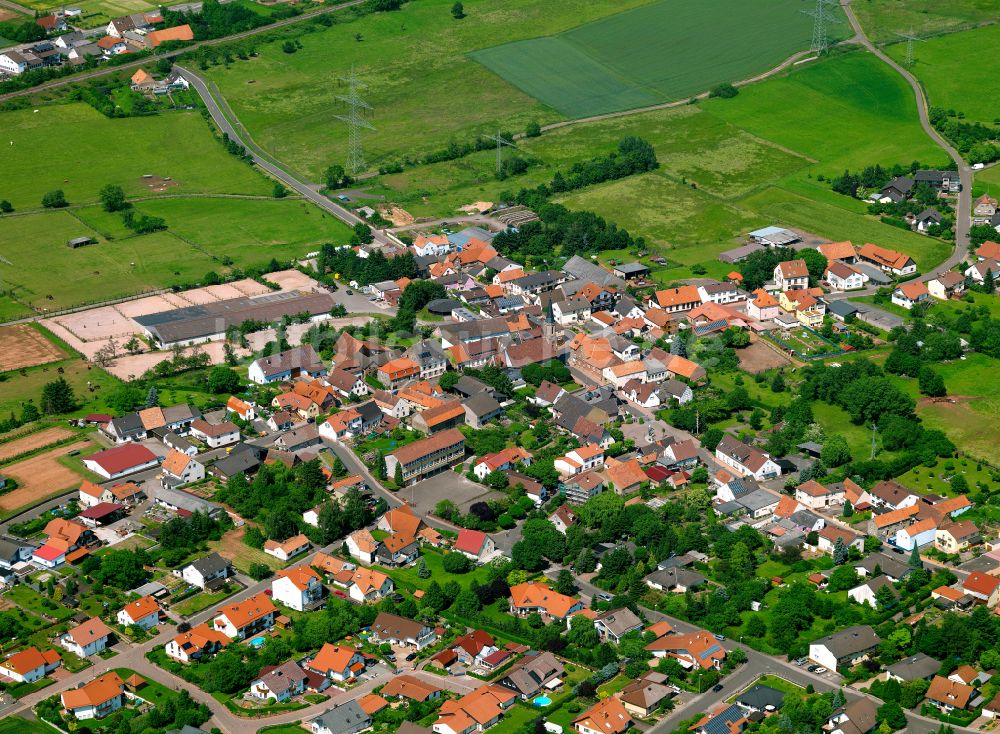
257	642
542	701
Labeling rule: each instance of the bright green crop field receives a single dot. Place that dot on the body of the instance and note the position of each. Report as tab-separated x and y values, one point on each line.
943	66
884	20
75	148
660	52
847	112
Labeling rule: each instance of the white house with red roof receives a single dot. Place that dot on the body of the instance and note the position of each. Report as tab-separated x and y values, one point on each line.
577	461
144	612
983	587
501	461
30	665
121	460
475	544
297	588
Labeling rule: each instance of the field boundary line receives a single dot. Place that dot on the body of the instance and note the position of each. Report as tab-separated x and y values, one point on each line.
790	61
146	198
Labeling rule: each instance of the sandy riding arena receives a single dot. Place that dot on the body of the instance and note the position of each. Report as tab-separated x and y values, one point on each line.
41	476
22	346
33	441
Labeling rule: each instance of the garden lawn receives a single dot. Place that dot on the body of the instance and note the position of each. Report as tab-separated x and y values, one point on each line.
156	693
75	138
516	717
17	725
424	89
942	65
932	480
884	20
27	598
407	576
667	50
200	601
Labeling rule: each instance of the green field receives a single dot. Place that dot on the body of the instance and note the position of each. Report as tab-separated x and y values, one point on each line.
75	148
692	225
720	158
87	274
847	112
884	20
251	231
988	182
424	88
201	232
943	65
661	52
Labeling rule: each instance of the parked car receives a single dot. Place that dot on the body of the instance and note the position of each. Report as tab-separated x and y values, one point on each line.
820	670
411	656
812	668
716	688
604	596
720	638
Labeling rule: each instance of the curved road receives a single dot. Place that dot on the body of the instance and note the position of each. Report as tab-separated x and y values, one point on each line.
963	211
261	159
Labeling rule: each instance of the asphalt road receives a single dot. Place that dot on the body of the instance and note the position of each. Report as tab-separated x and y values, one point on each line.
757	664
963	211
261	159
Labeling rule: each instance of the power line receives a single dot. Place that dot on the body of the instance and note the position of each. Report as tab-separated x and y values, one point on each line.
355	121
910	38
822	16
500	141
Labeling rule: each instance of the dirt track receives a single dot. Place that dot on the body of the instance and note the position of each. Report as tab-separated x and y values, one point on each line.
34	441
22	346
41	476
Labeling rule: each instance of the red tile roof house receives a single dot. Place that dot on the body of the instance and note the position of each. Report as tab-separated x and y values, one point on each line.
983	588
695	648
96	699
144	612
475	544
337	662
608	716
245	618
87	638
30	665
121	460
288	549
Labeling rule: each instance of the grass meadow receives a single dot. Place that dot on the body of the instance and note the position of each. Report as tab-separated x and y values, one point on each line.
424	88
946	67
883	20
75	148
201	232
667	50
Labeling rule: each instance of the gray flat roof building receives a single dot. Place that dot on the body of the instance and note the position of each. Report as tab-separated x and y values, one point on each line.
196	323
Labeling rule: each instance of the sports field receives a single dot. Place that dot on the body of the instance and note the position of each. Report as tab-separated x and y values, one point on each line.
943	66
664	51
883	20
75	148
